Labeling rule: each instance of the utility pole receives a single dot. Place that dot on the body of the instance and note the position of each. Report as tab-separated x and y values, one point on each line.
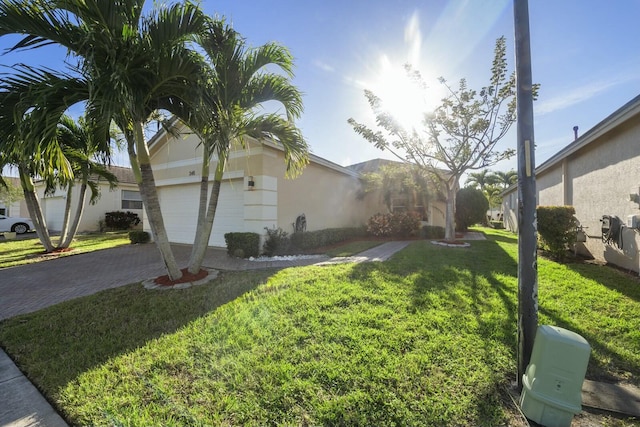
527	224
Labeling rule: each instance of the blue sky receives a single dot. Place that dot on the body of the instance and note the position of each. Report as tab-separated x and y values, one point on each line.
585	55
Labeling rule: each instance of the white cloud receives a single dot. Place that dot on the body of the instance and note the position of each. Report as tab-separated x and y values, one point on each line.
413	37
580	94
324	66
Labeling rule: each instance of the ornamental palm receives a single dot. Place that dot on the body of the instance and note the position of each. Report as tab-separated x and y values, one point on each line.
135	65
481	179
237	85
28	100
504	179
82	147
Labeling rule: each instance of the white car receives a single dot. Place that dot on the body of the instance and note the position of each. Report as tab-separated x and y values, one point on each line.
16	224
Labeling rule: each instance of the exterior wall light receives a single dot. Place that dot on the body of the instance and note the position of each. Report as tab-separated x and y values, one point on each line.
252	183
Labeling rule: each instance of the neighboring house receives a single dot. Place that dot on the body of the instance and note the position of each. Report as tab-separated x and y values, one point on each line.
16	209
599	175
126	197
255	193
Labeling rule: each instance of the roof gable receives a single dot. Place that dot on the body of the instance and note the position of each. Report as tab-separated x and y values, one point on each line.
162	137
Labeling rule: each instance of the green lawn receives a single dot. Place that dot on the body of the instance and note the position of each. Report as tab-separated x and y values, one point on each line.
427	338
27	251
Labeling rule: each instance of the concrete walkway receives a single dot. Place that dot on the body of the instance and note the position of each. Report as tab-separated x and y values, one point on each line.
32	287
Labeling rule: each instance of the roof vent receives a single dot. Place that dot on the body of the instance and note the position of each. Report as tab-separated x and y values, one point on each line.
575	133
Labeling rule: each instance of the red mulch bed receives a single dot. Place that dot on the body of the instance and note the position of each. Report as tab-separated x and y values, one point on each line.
53	253
60	250
186	277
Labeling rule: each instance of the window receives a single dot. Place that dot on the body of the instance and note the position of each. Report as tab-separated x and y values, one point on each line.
3	211
131	200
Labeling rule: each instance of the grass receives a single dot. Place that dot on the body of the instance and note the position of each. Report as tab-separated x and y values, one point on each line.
27	251
427	338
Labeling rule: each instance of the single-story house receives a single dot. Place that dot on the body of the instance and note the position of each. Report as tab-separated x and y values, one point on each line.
255	195
599	175
126	197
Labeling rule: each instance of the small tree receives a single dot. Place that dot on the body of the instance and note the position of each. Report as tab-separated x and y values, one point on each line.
460	135
471	208
9	193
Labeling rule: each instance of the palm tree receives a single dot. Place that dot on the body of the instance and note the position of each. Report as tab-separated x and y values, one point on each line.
28	100
237	85
135	64
82	148
505	179
480	179
492	192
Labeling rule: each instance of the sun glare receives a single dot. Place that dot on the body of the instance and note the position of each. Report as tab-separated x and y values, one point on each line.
401	96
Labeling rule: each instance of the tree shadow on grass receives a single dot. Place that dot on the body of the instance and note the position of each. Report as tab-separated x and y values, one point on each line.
504	238
610	276
471	291
462	275
55	345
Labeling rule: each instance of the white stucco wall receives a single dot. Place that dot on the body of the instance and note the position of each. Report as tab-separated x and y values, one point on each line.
53	206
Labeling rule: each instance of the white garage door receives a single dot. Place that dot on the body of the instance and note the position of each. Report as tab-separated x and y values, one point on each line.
180	210
54	212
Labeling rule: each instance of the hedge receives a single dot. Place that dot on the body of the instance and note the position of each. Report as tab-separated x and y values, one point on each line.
139	236
432	232
243	245
306	240
118	220
557	229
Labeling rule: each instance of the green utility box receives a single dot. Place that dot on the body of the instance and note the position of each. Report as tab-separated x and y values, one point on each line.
552	383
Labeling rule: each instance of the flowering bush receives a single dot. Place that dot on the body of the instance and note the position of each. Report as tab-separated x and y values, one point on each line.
379	225
399	224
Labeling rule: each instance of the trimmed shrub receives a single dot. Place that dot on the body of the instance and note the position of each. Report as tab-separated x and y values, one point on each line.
557	229
139	236
405	224
379	225
399	224
118	220
471	208
243	245
276	243
432	232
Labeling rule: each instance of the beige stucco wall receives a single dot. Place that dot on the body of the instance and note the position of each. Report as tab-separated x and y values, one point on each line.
597	180
549	187
603	177
324	192
327	194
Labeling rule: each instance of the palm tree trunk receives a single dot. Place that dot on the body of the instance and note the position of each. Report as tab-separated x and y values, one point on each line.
149	195
65	218
198	240
76	218
35	212
202	236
